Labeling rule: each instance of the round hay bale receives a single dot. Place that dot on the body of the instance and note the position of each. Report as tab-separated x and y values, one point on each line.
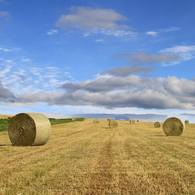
73	119
29	129
113	124
186	122
96	121
137	120
108	119
173	126
132	121
156	124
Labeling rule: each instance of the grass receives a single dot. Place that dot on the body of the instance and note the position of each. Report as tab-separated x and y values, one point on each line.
83	158
54	121
4	123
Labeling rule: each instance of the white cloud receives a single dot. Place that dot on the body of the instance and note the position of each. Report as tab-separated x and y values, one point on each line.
32	79
152	33
116	33
171	29
5	49
120	33
52	32
88	18
5	94
185	52
100	41
165	30
55	81
26	60
94	21
117	92
36	71
4	71
9	61
179	49
19	104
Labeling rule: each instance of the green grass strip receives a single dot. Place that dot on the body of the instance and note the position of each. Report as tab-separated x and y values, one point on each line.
4	123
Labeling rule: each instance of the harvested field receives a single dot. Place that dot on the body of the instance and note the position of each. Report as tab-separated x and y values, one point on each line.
83	158
5	116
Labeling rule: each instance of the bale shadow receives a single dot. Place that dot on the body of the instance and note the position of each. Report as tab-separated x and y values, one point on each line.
159	135
5	145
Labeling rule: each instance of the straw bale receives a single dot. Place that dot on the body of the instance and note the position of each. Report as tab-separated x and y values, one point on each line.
132	121
156	124
173	126
73	119
113	124
108	119
186	122
29	129
96	121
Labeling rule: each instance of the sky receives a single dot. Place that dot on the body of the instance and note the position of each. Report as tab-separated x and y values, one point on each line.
124	58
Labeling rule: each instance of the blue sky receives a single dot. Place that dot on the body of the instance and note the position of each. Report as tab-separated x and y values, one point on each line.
98	57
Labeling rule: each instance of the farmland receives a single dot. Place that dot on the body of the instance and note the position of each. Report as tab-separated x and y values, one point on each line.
4	121
86	158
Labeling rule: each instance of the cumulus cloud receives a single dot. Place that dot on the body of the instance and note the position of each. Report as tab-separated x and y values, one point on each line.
88	18
180	87
132	91
5	94
108	84
95	20
144	58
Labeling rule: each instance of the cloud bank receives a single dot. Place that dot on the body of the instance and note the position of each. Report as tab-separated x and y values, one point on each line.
5	94
131	91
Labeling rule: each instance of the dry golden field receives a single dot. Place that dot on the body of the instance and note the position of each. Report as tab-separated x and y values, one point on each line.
84	158
5	116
